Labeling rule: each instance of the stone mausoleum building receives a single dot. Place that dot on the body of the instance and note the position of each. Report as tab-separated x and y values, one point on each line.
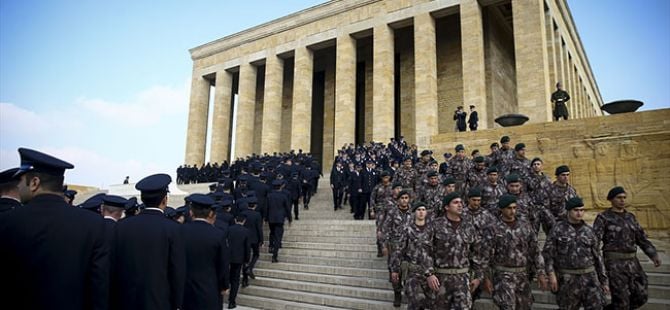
353	71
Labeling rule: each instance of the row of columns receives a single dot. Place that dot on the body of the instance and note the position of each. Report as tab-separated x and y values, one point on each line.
532	86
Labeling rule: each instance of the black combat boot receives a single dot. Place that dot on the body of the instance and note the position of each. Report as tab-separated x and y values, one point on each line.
397	298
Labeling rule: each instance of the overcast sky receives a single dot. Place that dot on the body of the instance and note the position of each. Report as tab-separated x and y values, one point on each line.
105	85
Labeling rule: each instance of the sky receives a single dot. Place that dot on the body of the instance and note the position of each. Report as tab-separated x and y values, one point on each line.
105	84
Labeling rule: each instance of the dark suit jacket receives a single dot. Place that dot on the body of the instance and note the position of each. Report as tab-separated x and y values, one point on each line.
54	256
8	204
207	263
354	182
279	207
254	224
338	179
151	266
368	180
238	240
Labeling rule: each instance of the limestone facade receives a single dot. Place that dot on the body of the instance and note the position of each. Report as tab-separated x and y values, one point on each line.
353	71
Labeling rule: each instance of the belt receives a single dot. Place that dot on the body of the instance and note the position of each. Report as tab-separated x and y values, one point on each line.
452	270
619	255
408	267
510	269
577	271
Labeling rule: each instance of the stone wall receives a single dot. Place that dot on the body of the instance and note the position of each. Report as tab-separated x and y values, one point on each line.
449	71
631	150
286	106
500	67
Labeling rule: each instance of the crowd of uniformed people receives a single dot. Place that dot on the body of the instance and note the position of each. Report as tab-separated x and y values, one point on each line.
472	223
450	230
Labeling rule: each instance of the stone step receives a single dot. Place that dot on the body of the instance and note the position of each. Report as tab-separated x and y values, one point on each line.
378	274
344	226
363	255
487	304
290	231
334	240
315	298
321	288
662	279
276	304
377	263
307	277
330	246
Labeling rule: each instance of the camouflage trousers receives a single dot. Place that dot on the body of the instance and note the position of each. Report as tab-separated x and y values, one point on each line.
454	292
628	283
417	292
511	290
392	246
575	291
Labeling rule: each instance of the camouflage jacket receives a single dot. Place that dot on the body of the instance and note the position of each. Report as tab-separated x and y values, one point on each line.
490	195
382	197
568	247
558	195
455	245
431	195
421	169
414	247
474	178
525	207
538	188
459	167
394	224
520	167
483	221
622	233
514	245
406	177
502	158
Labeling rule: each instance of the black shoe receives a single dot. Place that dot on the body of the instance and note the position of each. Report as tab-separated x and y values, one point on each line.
245	282
380	254
275	260
232	305
397	298
252	275
270	250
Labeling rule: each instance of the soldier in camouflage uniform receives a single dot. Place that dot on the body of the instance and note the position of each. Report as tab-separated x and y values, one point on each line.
513	255
476	176
459	165
492	189
560	191
421	167
382	200
407	174
621	234
392	232
491	158
574	263
409	257
431	193
503	156
455	262
519	164
538	189
483	221
526	207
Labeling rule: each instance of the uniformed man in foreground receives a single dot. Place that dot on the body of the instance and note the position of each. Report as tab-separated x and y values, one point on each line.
455	265
621	234
513	255
238	240
574	262
279	210
408	259
54	256
207	257
391	233
150	245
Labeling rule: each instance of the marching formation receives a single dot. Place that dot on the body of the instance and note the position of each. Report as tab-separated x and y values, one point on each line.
470	224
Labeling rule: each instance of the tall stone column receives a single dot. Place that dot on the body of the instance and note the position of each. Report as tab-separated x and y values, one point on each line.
301	123
246	110
474	64
425	79
221	120
274	72
530	52
196	133
345	91
382	83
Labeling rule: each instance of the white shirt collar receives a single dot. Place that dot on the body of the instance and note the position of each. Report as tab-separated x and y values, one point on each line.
10	197
155	209
200	219
110	217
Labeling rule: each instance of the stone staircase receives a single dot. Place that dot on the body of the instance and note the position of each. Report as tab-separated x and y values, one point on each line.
328	261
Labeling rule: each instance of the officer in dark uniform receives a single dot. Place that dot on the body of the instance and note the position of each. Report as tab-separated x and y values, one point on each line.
69	195
558	99
474	119
224	217
207	257
238	240
54	256
369	179
294	187
279	209
254	223
9	191
93	203
338	181
151	265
